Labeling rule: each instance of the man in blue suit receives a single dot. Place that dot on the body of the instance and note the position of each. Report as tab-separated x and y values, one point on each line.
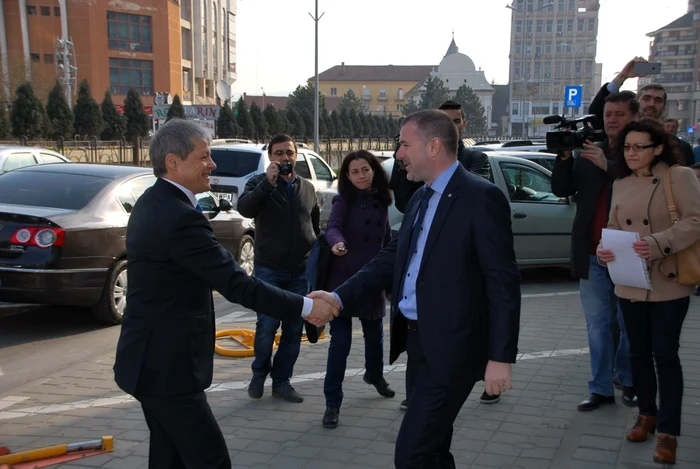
455	289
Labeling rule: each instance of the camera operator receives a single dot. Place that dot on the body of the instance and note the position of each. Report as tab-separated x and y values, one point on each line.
472	159
286	213
651	98
589	178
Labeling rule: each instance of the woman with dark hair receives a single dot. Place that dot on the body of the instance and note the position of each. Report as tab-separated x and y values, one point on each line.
653	318
358	228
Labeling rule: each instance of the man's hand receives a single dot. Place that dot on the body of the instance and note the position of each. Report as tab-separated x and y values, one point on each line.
497	378
322	312
272	172
628	71
325	296
595	154
642	249
565	154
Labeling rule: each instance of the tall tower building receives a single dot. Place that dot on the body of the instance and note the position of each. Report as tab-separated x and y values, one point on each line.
552	45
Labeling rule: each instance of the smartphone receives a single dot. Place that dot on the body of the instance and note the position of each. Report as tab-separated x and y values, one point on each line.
647	68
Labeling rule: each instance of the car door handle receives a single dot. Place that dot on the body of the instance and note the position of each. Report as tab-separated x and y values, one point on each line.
520	215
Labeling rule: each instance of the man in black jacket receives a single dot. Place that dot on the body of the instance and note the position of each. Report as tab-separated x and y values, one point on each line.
589	178
472	159
652	100
165	353
286	213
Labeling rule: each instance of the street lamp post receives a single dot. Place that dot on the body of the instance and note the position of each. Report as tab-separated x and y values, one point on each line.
522	56
316	19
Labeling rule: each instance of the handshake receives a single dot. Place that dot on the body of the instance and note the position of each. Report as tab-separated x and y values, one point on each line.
326	308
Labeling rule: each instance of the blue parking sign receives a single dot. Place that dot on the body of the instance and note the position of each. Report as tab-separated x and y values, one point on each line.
691	130
572	96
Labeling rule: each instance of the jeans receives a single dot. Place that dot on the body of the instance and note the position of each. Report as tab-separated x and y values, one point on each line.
266	328
601	307
654	331
341	339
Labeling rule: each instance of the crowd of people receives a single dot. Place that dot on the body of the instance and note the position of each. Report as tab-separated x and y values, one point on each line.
450	277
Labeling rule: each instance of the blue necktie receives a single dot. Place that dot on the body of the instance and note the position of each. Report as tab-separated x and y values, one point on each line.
199	208
417	228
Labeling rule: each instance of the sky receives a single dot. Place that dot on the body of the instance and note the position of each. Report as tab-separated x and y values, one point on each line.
275	38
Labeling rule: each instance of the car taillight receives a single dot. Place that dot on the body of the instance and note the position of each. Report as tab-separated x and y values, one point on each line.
39	236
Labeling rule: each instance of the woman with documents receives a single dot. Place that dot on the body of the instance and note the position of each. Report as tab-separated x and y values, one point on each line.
641	248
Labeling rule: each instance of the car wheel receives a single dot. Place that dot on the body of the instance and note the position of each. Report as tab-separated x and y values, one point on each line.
111	307
246	254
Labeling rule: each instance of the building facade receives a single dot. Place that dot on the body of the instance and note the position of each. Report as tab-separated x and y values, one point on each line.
159	47
552	46
381	88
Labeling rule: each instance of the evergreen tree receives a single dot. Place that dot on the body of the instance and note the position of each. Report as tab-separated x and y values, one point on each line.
347	123
338	130
410	107
115	123
374	128
28	116
244	119
4	123
323	122
330	125
259	121
357	127
176	110
136	117
383	125
351	101
60	116
435	93
226	126
473	111
296	123
86	113
302	101
308	118
273	121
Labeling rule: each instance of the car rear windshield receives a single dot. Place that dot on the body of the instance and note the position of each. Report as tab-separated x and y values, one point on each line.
234	163
48	189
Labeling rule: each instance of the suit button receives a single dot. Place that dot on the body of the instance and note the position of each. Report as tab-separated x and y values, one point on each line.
655	180
646	222
667	250
629	222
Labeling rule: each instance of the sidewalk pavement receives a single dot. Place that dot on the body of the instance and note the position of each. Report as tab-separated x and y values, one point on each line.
535	425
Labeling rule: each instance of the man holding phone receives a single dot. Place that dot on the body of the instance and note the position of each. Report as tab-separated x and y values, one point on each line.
286	213
652	98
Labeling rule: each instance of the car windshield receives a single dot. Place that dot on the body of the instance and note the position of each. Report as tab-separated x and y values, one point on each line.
48	189
234	163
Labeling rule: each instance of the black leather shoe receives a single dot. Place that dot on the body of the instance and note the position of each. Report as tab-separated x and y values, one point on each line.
404	405
381	386
629	397
255	388
289	394
330	418
487	398
594	401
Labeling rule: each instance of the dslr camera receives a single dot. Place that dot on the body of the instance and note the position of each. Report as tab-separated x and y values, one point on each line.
568	136
286	168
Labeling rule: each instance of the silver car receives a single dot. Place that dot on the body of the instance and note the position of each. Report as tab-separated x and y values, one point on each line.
541	221
15	157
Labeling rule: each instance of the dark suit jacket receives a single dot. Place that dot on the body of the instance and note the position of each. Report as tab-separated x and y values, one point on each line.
468	286
166	346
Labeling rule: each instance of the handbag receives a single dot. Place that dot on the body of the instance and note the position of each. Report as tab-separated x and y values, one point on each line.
316	273
688	260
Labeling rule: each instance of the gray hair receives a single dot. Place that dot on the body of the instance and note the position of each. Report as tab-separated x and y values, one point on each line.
177	136
431	124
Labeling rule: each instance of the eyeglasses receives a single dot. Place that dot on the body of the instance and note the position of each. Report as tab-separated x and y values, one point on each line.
289	153
637	148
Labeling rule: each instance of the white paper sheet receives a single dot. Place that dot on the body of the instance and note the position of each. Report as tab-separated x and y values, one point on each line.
628	268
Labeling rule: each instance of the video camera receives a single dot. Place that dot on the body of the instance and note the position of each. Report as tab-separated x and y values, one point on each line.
568	136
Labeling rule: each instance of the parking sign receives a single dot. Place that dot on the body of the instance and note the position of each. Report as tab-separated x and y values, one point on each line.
572	96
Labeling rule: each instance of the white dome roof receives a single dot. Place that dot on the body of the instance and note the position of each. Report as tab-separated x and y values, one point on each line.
456	63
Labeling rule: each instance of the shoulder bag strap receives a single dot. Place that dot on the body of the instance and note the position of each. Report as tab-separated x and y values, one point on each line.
672	210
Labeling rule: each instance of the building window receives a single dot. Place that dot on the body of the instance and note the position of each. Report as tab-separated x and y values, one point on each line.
31	10
399	108
334	91
34	57
186	43
560	27
550	26
45	11
399	93
518	47
572	6
516	69
555	108
539	27
382	93
56	11
548	47
570	26
547	69
561	5
519	27
48	59
129	73
591	25
538	69
129	32
515	108
580	25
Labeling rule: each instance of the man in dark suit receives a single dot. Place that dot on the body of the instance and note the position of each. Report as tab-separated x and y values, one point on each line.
455	289
165	354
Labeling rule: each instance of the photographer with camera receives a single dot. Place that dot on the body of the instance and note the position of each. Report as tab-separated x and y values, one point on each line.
652	100
286	213
589	178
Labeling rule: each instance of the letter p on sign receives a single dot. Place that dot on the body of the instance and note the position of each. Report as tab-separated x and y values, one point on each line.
572	96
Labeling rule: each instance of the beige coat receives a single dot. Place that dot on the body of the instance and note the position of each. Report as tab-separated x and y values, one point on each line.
639	205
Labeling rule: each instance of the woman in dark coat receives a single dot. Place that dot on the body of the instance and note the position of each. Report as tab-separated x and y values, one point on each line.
358	229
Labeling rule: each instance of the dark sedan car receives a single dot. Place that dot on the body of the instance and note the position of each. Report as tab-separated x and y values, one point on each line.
63	228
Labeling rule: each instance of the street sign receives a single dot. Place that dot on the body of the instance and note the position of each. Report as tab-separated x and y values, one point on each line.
572	96
691	130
